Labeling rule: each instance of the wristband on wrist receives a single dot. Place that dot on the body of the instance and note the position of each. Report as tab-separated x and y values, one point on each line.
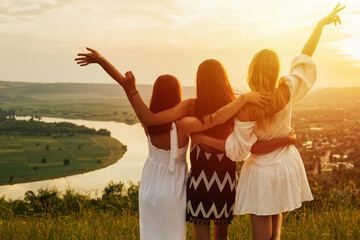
134	93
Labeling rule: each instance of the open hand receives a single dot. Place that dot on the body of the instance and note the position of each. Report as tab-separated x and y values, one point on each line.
129	83
86	58
261	99
332	17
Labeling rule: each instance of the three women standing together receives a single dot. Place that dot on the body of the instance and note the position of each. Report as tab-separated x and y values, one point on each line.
255	127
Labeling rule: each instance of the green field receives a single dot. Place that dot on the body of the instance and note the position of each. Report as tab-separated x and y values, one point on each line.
32	158
117	110
106	102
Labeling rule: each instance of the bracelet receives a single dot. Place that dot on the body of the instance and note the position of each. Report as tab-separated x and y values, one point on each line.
133	94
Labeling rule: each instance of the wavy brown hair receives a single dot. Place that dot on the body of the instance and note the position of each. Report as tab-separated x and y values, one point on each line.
213	91
166	94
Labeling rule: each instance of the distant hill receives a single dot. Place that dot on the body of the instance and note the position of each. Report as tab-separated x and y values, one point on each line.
335	97
33	92
28	92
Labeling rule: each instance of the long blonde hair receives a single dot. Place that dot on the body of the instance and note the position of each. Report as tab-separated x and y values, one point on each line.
263	76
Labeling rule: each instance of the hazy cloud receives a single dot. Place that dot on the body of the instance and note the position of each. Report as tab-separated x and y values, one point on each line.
18	8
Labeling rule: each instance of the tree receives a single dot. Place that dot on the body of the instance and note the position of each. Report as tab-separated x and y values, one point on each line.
11	113
43	160
103	132
114	189
66	162
47	147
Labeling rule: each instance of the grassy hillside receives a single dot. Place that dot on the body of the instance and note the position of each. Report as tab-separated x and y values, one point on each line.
106	102
332	97
32	158
20	91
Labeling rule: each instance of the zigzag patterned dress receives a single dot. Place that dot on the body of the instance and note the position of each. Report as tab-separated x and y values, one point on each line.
210	187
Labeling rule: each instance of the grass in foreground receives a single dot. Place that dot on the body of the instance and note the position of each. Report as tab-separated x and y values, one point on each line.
333	214
336	223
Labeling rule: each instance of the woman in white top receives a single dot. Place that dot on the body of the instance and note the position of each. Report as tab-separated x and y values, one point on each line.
275	182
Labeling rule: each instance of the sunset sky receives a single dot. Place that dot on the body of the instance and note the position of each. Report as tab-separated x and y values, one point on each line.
40	38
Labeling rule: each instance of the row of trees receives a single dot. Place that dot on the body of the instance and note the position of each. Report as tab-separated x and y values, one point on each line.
328	190
116	198
4	114
32	127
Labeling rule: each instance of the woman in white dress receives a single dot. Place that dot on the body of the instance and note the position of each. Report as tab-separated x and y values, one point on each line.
162	192
275	182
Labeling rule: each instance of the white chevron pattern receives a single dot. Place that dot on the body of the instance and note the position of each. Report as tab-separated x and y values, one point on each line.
220	156
208	184
197	151
223	213
207	154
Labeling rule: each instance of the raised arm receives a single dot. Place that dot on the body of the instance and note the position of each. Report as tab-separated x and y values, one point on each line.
144	114
94	56
260	147
313	41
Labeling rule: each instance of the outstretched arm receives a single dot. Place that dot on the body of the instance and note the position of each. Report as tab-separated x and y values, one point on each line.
260	147
144	114
94	56
193	124
189	124
313	41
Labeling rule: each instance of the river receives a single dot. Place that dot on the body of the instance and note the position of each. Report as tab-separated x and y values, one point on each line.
128	168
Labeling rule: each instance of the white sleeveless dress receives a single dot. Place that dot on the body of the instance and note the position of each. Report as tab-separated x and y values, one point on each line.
162	192
274	182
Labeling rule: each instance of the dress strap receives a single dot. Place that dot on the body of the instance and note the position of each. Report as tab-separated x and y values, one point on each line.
173	147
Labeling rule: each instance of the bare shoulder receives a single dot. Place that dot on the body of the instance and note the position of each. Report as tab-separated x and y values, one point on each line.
189	101
246	113
183	136
190	105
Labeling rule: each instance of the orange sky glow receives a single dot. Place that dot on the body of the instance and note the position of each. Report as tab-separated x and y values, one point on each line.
39	39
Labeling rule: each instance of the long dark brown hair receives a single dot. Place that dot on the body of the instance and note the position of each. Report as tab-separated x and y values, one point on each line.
213	91
166	94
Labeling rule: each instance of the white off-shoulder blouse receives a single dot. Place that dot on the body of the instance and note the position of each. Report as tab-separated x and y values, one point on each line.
274	182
